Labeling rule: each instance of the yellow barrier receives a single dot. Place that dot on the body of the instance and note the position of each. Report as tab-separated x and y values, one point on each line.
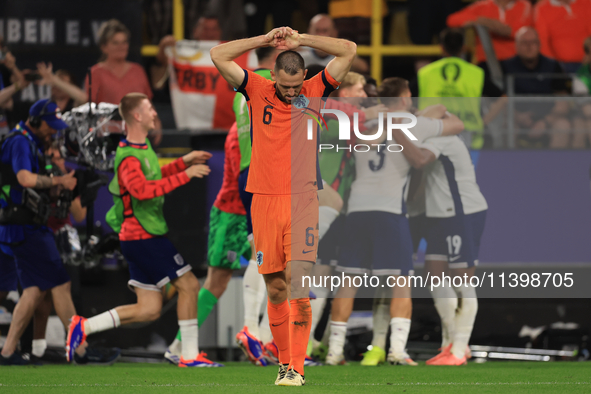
376	50
178	27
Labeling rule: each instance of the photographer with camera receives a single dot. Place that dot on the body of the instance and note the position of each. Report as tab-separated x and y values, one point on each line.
26	207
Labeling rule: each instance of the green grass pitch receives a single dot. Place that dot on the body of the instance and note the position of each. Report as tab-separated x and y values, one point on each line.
243	378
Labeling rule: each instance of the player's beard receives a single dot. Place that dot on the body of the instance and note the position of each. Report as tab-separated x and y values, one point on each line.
282	97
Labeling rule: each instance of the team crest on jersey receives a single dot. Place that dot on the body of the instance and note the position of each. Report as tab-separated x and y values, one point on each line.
301	101
259	258
147	163
179	259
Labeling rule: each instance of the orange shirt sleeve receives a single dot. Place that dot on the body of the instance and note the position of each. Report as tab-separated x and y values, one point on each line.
252	83
321	85
467	14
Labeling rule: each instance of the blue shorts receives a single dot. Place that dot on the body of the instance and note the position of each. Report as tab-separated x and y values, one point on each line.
153	263
376	243
38	262
246	198
328	247
455	239
8	277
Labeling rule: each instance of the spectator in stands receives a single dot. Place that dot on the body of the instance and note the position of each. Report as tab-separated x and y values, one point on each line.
584	72
353	19
113	76
454	77
9	72
206	29
538	118
64	91
218	94
582	122
370	87
502	18
323	25
563	26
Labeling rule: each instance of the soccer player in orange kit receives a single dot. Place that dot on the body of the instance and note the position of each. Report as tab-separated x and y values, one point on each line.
284	176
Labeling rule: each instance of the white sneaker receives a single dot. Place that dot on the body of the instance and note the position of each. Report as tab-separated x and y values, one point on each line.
400	359
335	359
174	352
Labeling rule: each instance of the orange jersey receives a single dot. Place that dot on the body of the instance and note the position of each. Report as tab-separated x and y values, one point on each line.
516	14
284	160
562	28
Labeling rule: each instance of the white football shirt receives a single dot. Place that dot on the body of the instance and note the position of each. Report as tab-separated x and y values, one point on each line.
451	180
381	177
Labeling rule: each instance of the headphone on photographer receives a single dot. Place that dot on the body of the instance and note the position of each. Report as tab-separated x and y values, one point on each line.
35	120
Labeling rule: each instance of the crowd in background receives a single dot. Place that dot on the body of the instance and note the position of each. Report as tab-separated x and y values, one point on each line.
536	38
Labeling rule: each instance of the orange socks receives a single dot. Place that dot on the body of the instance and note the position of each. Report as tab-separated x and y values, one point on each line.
300	321
280	328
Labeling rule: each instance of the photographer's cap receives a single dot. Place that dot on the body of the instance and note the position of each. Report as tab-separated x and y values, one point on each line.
48	111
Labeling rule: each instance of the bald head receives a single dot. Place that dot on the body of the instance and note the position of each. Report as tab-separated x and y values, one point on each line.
527	43
322	25
526	33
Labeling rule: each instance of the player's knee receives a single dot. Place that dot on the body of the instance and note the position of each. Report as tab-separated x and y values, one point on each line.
35	292
63	288
187	283
276	291
150	314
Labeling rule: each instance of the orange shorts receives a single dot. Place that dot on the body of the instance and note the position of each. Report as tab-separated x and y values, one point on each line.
285	228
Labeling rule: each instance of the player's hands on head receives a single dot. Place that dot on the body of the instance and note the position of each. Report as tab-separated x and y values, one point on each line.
278	38
196	157
273	37
291	40
198	171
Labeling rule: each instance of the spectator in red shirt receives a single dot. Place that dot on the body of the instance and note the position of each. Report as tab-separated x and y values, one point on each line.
563	26
502	18
113	76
